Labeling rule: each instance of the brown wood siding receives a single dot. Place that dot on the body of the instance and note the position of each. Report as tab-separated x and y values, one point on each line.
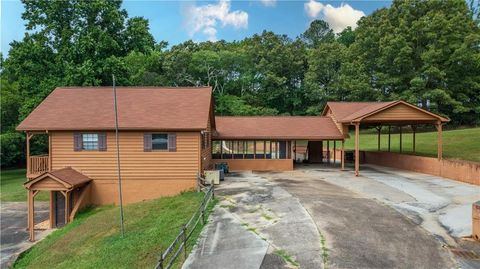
399	112
136	164
206	155
48	184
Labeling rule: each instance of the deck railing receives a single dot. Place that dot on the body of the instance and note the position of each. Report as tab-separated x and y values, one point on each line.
38	165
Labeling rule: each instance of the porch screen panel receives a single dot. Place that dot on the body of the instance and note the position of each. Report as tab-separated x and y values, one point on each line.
216	150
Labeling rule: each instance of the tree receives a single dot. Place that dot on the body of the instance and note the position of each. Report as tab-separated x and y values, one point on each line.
318	32
346	37
422	51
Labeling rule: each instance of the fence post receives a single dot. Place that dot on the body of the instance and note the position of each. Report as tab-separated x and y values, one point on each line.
160	261
213	192
184	228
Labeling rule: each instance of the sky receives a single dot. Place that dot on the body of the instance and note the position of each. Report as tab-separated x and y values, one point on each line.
178	21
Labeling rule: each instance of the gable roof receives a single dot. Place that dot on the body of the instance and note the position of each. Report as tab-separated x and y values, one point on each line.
139	108
276	127
345	112
67	176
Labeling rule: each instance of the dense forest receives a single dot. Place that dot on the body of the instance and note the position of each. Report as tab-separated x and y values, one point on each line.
424	52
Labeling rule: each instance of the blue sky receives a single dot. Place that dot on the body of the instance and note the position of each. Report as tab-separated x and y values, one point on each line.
178	21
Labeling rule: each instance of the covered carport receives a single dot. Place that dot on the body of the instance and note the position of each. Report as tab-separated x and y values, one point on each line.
378	114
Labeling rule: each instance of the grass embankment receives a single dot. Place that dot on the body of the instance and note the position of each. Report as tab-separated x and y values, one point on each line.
93	239
462	144
11	187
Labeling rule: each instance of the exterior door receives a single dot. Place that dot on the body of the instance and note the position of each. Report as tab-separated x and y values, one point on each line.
315	151
59	209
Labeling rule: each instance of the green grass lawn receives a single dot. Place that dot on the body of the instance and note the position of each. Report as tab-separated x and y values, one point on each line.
93	239
11	186
463	144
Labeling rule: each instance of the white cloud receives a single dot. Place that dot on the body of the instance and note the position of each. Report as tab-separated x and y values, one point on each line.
205	19
337	17
269	3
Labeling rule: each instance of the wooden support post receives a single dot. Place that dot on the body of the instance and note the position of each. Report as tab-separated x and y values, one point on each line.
264	149
295	151
29	136
343	155
400	130
439	140
379	128
328	151
31	214
334	152
78	201
389	134
414	128
357	149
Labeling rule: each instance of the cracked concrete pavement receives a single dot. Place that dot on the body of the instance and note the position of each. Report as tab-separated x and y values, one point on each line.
366	222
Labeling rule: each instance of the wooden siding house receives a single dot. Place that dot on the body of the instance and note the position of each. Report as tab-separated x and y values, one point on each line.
168	136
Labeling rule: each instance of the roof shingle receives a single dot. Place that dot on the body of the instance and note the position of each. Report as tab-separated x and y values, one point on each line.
139	108
276	127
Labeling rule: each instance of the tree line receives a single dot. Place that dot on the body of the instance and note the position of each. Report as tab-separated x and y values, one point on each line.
423	52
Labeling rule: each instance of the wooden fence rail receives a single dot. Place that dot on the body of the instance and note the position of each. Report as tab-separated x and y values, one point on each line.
38	164
170	255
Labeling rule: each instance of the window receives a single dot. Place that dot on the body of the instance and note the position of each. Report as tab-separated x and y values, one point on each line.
240	149
90	141
159	141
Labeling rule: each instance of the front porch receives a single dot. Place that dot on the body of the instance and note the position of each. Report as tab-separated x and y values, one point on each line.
41	163
277	155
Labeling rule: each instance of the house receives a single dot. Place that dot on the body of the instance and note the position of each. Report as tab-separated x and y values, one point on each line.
168	136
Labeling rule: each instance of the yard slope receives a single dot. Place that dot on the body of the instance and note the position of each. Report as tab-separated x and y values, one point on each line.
461	144
11	186
93	239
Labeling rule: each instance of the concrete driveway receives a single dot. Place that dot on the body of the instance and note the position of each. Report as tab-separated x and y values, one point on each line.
14	235
317	217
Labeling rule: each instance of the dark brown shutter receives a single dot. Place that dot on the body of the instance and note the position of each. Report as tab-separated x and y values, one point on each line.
147	142
77	141
172	142
102	142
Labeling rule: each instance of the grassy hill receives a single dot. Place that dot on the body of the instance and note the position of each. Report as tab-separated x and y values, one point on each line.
461	144
93	239
11	186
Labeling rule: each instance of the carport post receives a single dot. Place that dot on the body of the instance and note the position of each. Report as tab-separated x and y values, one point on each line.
439	140
400	127
379	128
343	155
389	132
334	152
357	148
414	127
328	151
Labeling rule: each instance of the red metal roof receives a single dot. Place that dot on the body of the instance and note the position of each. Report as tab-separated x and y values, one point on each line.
139	108
276	127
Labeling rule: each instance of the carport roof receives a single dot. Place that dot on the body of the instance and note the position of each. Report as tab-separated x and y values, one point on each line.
277	127
398	111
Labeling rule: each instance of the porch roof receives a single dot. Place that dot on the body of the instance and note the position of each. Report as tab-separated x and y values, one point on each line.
66	178
277	127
